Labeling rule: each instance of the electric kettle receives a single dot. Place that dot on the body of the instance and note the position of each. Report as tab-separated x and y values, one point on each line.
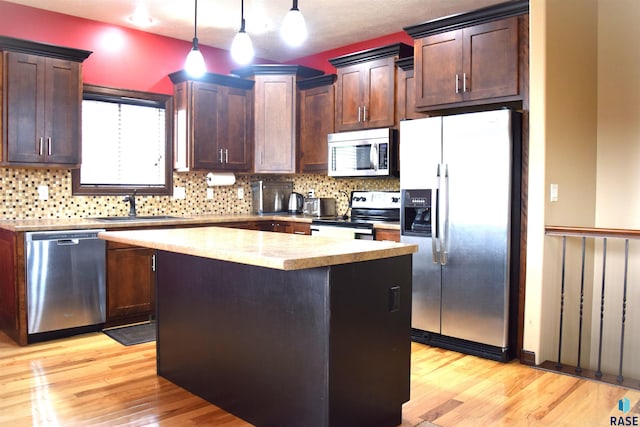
296	202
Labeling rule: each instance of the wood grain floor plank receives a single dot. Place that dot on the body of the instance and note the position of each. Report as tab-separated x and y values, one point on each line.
90	380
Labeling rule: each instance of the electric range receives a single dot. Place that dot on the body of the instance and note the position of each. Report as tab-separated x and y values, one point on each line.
367	209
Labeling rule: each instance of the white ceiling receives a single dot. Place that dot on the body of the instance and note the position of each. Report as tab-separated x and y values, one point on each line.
331	23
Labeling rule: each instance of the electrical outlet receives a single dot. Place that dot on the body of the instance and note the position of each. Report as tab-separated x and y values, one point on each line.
240	193
209	193
179	193
312	193
43	192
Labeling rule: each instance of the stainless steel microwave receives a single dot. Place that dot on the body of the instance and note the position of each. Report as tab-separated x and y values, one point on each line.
371	152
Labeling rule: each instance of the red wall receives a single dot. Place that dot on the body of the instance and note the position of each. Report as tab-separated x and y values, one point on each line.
141	61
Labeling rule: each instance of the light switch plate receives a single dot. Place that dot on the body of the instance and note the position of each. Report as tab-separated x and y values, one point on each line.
553	193
209	193
179	193
240	193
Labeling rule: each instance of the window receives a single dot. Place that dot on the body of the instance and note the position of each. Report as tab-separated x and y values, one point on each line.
126	143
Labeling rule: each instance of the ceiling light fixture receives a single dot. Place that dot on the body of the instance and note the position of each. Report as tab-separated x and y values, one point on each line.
241	47
294	29
194	64
140	17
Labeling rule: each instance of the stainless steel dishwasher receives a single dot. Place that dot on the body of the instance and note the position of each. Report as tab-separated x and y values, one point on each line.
66	280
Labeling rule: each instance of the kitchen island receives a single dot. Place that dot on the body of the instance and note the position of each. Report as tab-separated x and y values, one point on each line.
281	329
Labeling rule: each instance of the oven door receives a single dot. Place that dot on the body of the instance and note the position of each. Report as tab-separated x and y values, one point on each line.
342	232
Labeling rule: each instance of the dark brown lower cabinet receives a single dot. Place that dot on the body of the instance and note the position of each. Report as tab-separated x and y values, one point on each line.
130	284
393	235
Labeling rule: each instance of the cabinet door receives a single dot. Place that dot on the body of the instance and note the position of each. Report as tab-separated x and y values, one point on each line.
316	121
379	103
205	123
234	136
438	62
275	124
25	92
392	235
63	100
350	97
301	228
282	227
490	60
406	96
44	96
130	282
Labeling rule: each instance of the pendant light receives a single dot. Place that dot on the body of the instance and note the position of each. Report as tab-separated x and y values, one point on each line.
294	29
194	64
241	47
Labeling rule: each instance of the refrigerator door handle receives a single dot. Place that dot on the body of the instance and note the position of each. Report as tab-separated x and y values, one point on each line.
435	239
445	234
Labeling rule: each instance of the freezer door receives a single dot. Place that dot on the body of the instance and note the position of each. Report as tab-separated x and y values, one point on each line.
477	153
420	152
420	156
425	309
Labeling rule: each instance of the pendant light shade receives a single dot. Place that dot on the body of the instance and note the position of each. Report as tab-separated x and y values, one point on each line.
294	29
241	47
194	64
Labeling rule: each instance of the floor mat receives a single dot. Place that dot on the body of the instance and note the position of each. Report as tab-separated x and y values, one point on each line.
134	334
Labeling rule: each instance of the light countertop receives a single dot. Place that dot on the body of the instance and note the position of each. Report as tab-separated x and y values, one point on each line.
186	220
261	248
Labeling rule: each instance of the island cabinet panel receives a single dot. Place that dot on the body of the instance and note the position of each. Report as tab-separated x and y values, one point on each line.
327	346
130	284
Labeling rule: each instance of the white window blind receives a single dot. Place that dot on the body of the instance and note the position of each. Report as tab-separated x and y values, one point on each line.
122	144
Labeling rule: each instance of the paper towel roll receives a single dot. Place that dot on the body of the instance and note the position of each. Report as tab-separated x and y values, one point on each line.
223	178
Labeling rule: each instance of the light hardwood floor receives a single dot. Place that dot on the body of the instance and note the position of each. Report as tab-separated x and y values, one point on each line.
93	380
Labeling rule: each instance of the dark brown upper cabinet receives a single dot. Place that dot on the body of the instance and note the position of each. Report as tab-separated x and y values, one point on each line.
470	59
213	123
366	87
275	114
316	106
42	99
406	93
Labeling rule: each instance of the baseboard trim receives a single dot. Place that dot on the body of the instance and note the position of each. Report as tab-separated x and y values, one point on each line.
527	357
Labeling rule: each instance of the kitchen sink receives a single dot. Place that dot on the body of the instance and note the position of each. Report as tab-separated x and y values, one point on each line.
137	218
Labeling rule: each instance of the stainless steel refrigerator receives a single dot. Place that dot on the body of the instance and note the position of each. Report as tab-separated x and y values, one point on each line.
460	189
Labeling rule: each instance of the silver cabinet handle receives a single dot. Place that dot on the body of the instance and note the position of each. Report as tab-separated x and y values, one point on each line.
220	155
49	143
226	155
364	119
464	82
359	117
41	142
457	83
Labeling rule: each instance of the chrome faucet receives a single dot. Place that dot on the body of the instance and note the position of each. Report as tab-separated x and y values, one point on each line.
131	198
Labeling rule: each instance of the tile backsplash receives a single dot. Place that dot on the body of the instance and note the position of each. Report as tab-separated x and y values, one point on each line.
19	194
